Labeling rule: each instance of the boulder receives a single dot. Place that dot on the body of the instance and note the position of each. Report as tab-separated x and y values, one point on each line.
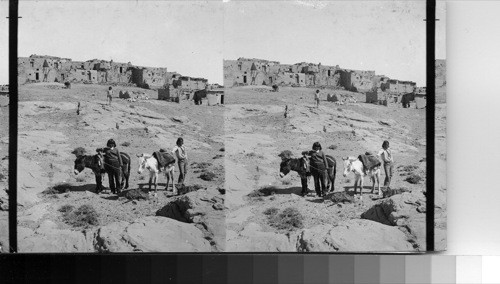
47	238
353	236
253	239
204	208
407	211
151	234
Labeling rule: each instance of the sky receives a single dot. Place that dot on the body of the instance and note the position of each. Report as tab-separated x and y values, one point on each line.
185	37
193	37
388	37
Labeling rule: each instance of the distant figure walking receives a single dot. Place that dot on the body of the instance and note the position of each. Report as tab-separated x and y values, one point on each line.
180	152
386	155
316	98
113	164
110	95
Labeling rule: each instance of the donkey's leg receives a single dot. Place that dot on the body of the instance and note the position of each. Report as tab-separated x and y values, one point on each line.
378	183
151	175
361	179
373	183
156	182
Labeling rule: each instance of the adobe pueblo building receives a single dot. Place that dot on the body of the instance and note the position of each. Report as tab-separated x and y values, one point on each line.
37	68
245	71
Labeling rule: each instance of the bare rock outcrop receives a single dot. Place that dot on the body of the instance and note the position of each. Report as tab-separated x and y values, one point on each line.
353	236
48	238
253	239
151	234
408	212
203	208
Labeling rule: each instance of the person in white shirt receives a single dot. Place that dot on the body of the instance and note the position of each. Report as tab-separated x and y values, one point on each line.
385	155
316	98
110	95
180	152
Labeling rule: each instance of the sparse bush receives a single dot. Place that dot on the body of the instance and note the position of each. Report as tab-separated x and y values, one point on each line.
410	168
222	149
202	165
218	156
44	152
208	176
126	144
135	194
66	208
183	189
83	216
58	189
271	211
289	219
263	191
414	178
332	147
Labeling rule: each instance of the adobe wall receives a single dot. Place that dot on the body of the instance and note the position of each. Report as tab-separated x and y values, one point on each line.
31	69
239	72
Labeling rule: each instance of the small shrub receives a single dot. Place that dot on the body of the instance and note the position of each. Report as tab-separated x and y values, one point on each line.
263	191
414	178
271	211
208	176
58	189
410	168
126	144
222	149
83	216
183	189
66	208
202	165
332	147
288	220
44	152
218	156
135	194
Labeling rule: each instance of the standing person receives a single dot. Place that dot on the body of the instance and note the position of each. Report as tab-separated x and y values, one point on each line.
113	165
318	167
316	98
386	155
180	152
110	95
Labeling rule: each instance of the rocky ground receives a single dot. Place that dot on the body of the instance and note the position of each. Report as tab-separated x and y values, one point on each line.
50	128
246	206
256	131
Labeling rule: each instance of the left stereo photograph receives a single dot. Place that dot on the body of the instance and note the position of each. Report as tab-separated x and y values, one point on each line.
120	128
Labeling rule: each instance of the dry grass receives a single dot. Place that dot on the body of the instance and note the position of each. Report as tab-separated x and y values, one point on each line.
208	176
66	208
84	216
414	178
136	194
58	189
271	211
288	220
183	189
263	191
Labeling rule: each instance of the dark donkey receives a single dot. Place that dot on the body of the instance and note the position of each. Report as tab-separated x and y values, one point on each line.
96	164
297	165
93	162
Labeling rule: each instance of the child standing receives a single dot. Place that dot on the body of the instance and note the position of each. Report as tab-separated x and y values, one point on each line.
386	155
110	95
180	152
316	98
113	165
